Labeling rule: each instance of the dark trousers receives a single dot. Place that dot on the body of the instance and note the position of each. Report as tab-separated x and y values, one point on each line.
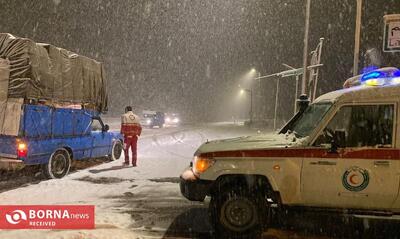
131	142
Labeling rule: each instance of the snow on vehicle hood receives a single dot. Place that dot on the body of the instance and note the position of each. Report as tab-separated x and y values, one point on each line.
260	141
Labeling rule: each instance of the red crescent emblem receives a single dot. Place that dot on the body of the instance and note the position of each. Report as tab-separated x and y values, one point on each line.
355	179
351	179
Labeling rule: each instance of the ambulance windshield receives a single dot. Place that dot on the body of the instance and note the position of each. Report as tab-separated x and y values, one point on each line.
309	119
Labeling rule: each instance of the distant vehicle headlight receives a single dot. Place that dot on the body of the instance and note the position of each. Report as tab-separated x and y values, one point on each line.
176	120
148	121
201	164
168	119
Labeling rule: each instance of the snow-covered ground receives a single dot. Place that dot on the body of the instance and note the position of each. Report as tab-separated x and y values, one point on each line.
145	202
141	202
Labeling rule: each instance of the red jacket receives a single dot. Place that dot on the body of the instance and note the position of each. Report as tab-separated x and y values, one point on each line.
130	125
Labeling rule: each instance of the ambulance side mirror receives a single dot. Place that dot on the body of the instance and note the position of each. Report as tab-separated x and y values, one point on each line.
106	128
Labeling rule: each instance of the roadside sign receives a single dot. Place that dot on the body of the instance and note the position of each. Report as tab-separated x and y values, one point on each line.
391	39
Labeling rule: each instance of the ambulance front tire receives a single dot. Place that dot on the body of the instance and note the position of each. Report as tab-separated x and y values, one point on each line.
58	166
237	213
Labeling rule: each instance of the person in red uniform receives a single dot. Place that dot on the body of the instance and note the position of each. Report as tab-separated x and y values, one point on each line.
131	129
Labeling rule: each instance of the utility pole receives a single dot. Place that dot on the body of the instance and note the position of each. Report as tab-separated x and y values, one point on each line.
357	38
297	91
297	87
260	92
276	102
305	52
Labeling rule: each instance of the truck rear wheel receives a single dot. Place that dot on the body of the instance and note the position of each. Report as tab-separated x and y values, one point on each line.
58	166
238	213
116	150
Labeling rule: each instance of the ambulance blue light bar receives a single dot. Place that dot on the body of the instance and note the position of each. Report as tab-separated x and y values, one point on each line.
379	78
373	75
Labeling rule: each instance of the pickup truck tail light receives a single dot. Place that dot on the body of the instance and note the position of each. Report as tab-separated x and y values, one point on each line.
22	150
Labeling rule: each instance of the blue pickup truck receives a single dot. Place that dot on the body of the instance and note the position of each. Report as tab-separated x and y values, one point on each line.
52	137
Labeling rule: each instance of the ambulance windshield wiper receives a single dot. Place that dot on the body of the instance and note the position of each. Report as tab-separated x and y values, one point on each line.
297	135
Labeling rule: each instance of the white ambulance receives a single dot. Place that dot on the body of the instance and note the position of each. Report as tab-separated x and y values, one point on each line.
339	154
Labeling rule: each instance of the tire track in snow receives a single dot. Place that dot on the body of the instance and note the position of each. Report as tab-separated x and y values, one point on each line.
156	140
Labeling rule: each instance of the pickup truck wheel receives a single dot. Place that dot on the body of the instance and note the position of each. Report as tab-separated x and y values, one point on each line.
237	213
116	150
58	165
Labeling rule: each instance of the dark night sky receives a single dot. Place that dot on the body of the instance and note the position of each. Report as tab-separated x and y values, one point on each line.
186	55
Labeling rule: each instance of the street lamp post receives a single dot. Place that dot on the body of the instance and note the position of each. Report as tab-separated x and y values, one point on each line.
251	106
242	91
260	93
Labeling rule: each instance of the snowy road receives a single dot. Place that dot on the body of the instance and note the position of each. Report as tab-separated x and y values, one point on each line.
145	202
131	202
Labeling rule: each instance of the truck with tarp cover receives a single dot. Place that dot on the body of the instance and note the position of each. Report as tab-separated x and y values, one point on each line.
51	100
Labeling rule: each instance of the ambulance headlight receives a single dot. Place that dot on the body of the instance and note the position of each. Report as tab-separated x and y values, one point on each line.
201	164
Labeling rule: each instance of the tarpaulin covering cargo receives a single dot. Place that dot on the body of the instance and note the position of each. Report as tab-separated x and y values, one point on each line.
45	72
37	72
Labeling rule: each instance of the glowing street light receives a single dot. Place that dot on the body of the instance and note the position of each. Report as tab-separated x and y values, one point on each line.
249	75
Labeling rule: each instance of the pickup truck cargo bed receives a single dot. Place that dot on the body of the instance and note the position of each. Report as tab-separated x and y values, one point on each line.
44	72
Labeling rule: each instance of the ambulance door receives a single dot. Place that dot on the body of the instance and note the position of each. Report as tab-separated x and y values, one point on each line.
320	180
362	171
